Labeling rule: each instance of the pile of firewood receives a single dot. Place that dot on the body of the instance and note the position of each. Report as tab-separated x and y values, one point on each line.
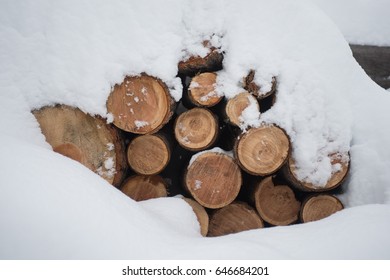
157	147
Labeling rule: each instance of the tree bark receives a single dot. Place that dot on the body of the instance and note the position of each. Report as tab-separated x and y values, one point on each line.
263	150
253	88
233	218
141	104
277	205
196	64
84	138
213	179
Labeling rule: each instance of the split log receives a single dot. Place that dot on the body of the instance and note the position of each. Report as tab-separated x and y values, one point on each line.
289	171
263	150
141	104
196	64
148	154
202	91
233	218
277	205
85	139
256	90
236	105
201	215
196	129
213	179
318	207
139	187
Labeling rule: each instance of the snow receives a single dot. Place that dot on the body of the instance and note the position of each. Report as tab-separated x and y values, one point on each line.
73	52
140	124
216	150
250	116
364	22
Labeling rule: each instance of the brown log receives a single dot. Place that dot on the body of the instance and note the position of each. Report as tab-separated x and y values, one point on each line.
140	187
202	90
253	88
148	154
201	215
233	218
141	104
263	150
318	207
196	129
196	64
236	105
85	139
213	179
335	181
277	205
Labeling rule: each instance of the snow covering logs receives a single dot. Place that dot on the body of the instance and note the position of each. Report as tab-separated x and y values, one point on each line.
235	177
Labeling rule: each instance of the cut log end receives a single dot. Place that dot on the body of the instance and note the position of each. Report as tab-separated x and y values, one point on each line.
233	218
213	179
141	104
148	154
237	105
85	139
141	187
336	179
201	215
319	207
256	90
262	151
196	129
277	205
202	90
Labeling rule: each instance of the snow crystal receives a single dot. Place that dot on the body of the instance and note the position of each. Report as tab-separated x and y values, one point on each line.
110	146
140	124
109	163
136	99
198	185
110	118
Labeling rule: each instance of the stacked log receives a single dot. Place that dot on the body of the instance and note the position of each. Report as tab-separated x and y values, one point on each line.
177	149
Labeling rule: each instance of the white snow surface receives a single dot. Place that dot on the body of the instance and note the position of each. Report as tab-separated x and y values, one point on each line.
364	22
73	52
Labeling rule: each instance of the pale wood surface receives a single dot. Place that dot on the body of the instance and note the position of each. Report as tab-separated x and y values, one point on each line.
233	218
262	151
277	205
84	138
213	179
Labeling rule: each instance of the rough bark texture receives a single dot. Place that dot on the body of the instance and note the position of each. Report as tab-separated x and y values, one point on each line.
196	64
85	139
213	179
253	88
233	218
141	104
